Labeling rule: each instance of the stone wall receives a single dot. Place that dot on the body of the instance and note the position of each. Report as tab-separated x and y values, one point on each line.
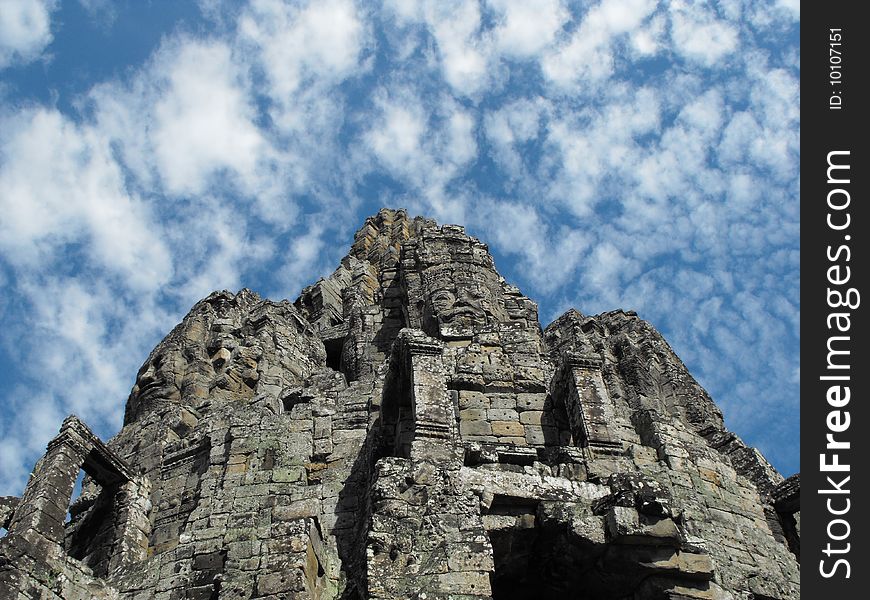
406	429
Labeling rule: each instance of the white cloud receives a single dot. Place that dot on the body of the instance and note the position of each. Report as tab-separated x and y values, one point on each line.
214	252
704	113
299	55
740	133
25	30
526	28
700	36
184	120
457	144
425	146
547	255
515	123
792	6
587	58
605	270
772	16
203	122
590	147
455	26
512	125
648	40
41	421
464	50
397	137
319	41
307	253
59	185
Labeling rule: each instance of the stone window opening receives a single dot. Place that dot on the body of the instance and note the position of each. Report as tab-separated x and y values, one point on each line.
539	553
511	524
82	501
88	534
786	500
397	415
107	523
334	354
532	561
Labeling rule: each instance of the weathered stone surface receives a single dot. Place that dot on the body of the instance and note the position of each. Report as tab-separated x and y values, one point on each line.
406	429
7	508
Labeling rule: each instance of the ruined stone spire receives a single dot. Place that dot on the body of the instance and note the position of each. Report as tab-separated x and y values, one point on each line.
406	429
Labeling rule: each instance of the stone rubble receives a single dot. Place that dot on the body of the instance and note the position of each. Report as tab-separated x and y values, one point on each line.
406	429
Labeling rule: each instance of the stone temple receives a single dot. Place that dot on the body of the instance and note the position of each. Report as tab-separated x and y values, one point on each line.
406	429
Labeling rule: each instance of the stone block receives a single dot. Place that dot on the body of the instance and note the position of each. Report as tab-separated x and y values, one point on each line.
322	427
472	399
527	401
539	436
212	561
278	583
297	510
501	401
508	428
479	427
483	439
502	414
625	525
470	557
288	474
536	417
471	583
472	414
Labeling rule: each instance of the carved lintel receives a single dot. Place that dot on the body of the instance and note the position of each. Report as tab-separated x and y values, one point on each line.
583	361
606	447
417	347
416	343
431	429
100	462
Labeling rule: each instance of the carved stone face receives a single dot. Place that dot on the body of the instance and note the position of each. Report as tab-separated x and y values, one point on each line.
464	307
462	299
236	371
156	381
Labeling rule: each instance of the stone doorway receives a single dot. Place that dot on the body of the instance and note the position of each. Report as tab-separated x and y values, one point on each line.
542	551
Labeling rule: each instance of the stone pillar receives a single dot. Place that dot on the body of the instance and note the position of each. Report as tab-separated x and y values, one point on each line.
590	411
418	417
433	410
40	516
131	524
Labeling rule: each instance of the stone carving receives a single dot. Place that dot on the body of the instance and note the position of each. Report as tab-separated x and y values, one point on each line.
406	429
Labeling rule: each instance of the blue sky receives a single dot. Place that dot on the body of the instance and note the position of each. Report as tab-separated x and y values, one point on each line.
616	154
